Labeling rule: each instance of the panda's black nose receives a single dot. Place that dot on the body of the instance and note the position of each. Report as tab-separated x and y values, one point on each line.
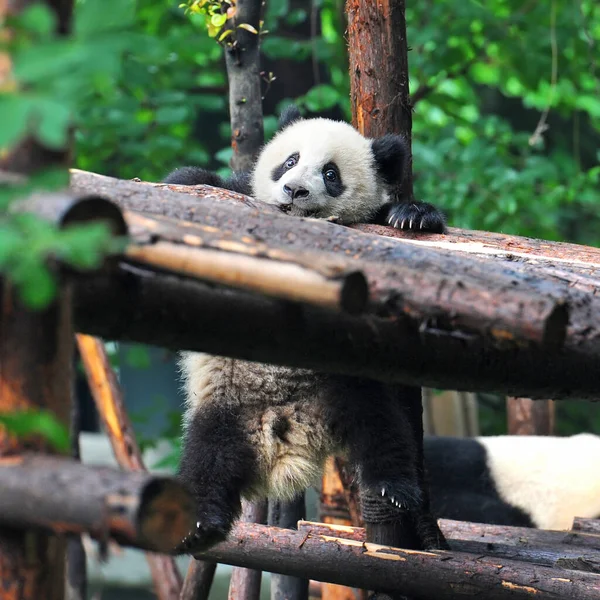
295	191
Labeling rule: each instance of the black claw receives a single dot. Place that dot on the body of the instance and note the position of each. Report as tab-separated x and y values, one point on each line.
417	216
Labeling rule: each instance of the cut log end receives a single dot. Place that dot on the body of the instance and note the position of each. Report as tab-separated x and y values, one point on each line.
165	515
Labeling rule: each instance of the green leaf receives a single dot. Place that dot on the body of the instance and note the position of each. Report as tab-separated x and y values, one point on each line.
23	424
13	124
96	16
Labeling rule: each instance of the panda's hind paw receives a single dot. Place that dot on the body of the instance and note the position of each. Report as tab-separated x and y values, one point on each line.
405	497
200	538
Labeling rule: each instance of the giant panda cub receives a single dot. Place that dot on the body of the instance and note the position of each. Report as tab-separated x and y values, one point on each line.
526	481
255	430
326	169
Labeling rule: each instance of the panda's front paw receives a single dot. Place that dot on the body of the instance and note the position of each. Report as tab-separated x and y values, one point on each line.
417	216
201	538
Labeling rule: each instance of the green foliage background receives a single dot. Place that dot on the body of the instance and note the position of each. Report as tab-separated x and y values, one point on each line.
145	87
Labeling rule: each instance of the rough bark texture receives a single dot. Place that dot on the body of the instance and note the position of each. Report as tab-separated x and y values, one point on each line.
107	395
421	575
286	515
530	417
245	583
548	548
198	580
245	97
446	346
36	357
379	89
64	496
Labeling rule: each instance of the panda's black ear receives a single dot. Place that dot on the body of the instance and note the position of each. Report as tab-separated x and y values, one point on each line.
391	154
290	115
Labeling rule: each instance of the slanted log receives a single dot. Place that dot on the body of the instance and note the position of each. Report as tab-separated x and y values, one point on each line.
63	496
198	580
442	575
108	398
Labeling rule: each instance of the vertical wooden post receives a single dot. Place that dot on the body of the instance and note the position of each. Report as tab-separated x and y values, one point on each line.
530	417
286	515
334	510
245	583
36	357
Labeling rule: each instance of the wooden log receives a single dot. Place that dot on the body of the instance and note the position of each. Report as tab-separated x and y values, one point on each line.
441	575
530	417
514	543
198	580
288	281
439	349
286	515
64	496
587	525
107	395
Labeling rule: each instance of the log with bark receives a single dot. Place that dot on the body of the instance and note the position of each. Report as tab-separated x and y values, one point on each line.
108	398
450	320
441	575
548	548
63	496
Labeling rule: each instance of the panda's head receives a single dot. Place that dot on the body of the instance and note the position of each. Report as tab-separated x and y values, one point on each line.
322	168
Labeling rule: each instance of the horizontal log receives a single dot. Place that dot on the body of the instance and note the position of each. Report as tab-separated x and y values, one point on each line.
587	525
420	575
64	496
442	319
134	305
286	280
549	548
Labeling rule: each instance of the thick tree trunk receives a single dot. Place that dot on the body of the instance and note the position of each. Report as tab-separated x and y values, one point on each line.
245	97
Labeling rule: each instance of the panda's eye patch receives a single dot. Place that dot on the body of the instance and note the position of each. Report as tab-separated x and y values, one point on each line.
291	161
333	180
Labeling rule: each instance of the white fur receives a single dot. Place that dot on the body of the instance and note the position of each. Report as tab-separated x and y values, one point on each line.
319	141
552	479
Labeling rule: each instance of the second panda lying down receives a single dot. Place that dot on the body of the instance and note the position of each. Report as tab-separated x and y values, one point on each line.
527	481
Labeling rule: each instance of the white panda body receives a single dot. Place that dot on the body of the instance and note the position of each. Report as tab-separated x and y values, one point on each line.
532	481
553	479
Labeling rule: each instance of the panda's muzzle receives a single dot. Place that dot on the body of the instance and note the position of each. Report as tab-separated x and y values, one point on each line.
295	192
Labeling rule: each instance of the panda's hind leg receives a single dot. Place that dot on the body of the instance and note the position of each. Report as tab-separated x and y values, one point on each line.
218	463
380	444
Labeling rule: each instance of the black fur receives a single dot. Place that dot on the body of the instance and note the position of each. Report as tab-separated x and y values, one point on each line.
279	170
461	486
238	182
414	216
336	187
217	462
391	154
368	418
290	115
